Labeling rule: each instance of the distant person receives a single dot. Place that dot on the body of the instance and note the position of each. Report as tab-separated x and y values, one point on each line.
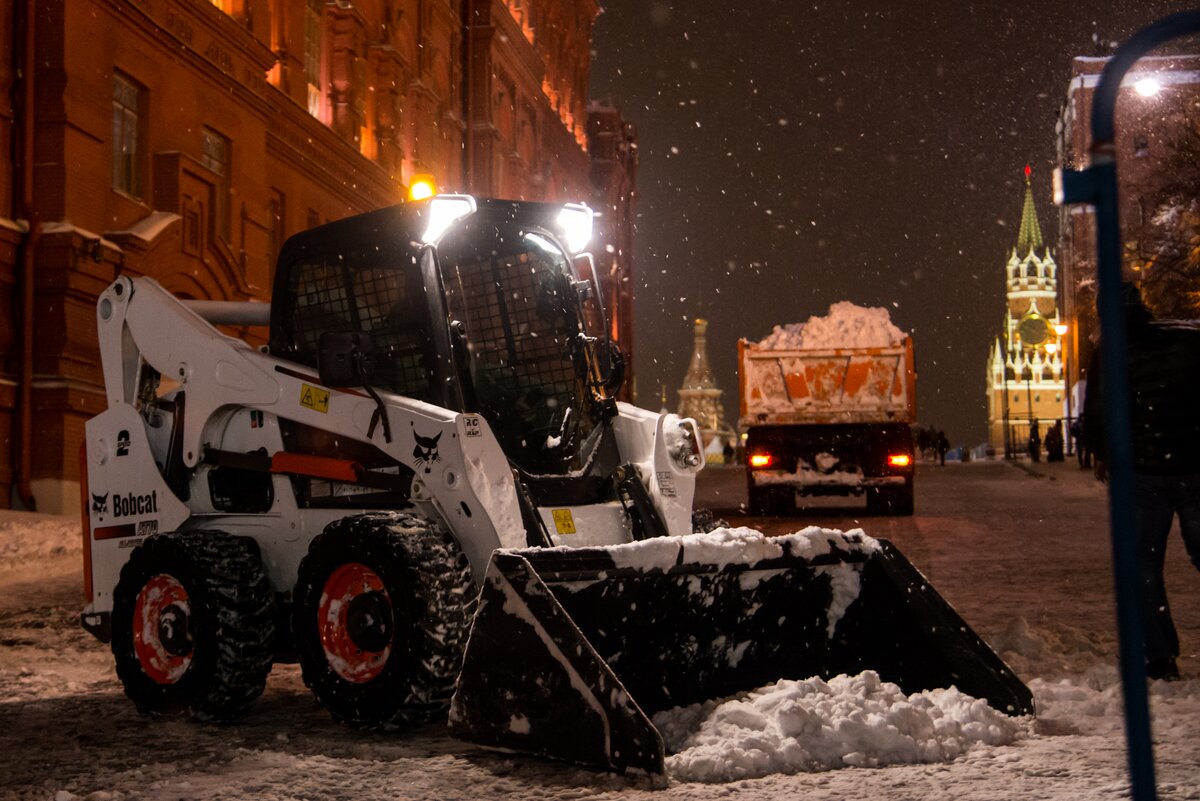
1035	441
941	444
923	443
729	453
1082	454
1054	442
1164	360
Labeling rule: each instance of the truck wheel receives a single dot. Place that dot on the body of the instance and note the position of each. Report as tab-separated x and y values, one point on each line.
757	501
383	606
772	501
887	501
194	625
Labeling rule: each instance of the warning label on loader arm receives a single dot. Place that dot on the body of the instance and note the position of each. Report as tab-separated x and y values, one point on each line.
314	398
564	523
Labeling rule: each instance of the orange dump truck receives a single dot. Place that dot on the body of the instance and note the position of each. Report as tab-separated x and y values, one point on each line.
829	421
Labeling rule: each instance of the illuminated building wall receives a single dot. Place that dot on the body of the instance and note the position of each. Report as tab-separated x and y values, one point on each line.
1157	149
185	140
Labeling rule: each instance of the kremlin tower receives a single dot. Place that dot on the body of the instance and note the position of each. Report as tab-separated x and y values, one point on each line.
1025	368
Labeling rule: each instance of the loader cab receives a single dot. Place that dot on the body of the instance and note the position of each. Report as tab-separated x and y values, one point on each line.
490	316
518	316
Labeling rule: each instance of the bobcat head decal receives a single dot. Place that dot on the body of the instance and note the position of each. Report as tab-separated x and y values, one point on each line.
100	503
426	450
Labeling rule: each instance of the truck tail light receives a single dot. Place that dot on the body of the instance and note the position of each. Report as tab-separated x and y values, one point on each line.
761	459
899	460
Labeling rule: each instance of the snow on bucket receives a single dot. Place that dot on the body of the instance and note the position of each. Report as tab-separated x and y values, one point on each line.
582	645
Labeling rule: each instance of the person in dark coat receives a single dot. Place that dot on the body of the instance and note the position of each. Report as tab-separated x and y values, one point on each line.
1035	441
1081	448
1054	442
1164	360
942	445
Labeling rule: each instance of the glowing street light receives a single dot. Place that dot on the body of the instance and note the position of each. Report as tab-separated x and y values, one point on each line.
1147	87
1051	348
422	187
1061	329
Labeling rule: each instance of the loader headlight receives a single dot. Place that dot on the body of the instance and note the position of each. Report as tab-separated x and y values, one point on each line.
575	222
443	212
421	187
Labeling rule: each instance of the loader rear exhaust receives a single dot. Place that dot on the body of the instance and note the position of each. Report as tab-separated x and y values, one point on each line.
573	650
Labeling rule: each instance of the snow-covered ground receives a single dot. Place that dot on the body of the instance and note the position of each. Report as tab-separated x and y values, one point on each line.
981	536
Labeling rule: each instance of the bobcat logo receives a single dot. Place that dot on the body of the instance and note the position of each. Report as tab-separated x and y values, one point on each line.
100	503
426	451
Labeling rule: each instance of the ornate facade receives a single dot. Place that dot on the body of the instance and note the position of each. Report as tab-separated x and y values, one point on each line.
700	398
186	139
1025	367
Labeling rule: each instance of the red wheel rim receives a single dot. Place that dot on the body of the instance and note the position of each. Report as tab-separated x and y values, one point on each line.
347	658
160	629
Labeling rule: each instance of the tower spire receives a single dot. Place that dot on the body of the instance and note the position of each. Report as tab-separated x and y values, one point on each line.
699	375
1029	238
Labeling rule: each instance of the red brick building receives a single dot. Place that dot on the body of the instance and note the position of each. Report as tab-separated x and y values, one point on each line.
1158	169
186	139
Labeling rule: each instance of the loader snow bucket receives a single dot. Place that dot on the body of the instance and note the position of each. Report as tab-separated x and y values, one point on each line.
573	650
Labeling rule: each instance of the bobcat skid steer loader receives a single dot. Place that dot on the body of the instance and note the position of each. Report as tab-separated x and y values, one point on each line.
423	484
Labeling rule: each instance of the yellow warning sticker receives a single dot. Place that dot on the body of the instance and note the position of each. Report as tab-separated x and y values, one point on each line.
563	522
314	398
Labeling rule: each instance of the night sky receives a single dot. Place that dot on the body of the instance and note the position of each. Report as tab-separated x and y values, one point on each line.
796	154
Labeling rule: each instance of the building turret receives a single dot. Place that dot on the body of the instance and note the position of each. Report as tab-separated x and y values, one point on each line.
700	397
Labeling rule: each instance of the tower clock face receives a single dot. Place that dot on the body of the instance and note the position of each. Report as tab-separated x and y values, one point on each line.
1033	330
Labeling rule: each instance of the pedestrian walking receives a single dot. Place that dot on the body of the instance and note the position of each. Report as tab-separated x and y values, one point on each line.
923	443
1164	359
1082	454
1035	441
942	445
1054	442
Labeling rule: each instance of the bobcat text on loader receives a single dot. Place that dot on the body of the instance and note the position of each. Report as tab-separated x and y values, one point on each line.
423	490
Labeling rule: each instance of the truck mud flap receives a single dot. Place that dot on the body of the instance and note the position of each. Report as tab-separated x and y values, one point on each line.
573	650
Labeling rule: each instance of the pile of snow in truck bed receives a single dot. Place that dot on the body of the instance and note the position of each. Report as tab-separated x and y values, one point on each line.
845	326
816	725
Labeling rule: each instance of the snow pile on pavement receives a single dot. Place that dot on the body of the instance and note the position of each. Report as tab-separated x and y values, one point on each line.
1091	704
1049	649
846	326
27	538
814	725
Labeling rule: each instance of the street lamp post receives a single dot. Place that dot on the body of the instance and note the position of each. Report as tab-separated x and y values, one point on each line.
1061	330
1008	443
1008	454
1098	186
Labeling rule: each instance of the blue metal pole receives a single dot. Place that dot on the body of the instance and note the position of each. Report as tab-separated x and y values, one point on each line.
1098	185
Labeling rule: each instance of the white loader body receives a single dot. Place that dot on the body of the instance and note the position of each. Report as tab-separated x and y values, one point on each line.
236	396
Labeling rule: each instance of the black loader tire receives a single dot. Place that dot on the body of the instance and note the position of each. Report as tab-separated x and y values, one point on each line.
704	521
212	649
406	649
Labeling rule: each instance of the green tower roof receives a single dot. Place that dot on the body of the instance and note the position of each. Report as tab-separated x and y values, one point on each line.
1030	236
